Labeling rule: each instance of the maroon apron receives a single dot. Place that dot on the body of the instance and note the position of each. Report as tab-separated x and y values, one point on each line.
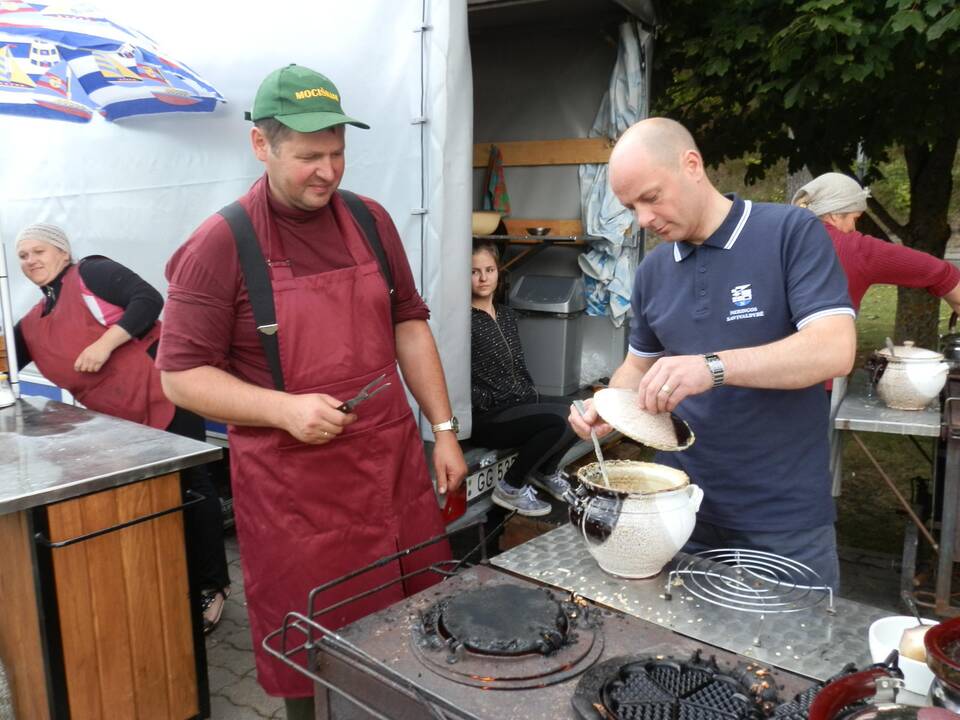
307	514
128	384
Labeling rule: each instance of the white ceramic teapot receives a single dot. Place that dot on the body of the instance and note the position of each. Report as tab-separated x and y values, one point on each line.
912	378
634	527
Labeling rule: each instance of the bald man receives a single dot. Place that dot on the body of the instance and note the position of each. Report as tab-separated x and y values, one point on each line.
738	318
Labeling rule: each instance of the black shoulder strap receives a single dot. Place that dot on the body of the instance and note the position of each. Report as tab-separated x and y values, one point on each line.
361	213
258	285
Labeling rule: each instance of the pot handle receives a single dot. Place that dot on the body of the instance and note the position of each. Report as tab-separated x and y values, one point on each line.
845	691
952	325
696	497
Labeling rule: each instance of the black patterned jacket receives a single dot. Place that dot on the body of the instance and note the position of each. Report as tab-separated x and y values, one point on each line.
498	372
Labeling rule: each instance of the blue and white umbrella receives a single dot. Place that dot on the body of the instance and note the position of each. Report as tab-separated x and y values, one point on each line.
67	62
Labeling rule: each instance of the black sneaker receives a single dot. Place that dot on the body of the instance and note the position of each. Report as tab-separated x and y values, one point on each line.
212	602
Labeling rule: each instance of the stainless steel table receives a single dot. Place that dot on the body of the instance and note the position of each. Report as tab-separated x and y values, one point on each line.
861	410
51	451
815	641
94	583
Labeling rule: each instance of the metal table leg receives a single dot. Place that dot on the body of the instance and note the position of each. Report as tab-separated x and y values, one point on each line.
948	524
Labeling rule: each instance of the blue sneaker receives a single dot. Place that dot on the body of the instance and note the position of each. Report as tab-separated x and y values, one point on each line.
524	500
555	483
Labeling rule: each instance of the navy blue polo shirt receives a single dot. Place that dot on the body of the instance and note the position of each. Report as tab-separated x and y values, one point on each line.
761	456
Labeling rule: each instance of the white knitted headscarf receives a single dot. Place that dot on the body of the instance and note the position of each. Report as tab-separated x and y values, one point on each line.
46	233
832	193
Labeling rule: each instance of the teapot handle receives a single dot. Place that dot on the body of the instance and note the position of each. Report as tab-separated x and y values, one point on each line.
696	497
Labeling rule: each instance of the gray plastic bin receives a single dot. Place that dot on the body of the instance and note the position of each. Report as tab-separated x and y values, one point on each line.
550	319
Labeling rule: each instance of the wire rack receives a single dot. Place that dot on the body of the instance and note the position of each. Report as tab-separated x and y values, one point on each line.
750	581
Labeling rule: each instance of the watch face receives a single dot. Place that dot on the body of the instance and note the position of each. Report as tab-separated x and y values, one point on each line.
455	425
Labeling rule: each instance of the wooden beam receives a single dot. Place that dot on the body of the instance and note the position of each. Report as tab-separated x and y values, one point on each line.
572	151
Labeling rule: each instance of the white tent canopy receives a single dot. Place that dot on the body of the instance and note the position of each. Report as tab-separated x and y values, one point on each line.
135	189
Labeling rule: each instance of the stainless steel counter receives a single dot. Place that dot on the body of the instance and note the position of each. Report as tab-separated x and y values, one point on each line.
50	451
865	411
812	642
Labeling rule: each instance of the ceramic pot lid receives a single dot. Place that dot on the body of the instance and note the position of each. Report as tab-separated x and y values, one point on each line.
621	409
908	352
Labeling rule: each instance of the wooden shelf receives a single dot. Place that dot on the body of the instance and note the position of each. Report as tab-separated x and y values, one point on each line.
571	151
574	240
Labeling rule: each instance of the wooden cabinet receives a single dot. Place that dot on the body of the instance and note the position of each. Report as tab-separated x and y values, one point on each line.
97	620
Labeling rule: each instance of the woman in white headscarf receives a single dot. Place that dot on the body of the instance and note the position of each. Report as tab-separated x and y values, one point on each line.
95	334
838	200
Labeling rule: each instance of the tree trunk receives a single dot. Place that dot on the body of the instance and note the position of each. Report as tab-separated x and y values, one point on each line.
928	229
918	313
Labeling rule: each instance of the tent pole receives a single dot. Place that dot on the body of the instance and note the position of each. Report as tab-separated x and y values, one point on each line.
7	320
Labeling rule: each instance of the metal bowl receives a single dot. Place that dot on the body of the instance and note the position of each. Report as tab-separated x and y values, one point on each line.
538	231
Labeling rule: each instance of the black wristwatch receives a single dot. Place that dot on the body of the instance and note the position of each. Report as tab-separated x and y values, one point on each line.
715	366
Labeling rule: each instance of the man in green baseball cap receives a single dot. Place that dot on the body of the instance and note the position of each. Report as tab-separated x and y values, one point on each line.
301	99
281	307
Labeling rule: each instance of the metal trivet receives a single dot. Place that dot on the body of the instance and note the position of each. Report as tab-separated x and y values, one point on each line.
749	581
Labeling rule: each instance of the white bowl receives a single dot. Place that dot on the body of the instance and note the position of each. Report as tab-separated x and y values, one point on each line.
884	636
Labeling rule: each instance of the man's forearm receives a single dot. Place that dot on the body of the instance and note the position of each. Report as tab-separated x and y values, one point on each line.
824	349
630	372
422	372
218	395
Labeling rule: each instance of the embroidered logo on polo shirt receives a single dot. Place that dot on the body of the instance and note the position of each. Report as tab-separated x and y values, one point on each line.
741	295
742	298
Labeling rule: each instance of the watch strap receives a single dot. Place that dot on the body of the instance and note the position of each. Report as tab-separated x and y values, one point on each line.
715	366
450	424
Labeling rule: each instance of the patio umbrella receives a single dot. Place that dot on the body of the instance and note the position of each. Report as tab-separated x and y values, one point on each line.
63	63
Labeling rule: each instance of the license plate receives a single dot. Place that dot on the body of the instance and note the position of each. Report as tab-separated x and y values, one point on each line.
482	481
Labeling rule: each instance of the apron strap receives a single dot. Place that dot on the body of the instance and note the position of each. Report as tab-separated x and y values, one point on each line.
361	213
258	285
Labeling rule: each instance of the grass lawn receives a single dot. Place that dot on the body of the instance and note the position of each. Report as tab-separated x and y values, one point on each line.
869	516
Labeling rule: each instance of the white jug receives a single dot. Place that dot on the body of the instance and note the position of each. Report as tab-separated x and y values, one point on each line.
634	527
912	378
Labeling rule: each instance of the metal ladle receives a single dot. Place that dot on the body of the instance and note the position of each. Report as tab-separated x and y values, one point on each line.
582	409
890	346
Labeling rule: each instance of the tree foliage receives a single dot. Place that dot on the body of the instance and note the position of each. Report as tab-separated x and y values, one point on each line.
811	81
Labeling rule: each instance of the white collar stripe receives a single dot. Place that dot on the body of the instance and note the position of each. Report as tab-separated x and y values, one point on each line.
676	252
747	204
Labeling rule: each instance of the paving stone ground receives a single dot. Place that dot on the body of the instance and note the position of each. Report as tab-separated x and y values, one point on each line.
235	695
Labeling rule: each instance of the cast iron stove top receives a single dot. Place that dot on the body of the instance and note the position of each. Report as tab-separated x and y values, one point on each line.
428	662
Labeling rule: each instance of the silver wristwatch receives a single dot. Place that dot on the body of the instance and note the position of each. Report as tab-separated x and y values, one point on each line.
715	366
451	424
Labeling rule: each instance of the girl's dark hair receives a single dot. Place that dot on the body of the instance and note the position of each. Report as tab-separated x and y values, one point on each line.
481	245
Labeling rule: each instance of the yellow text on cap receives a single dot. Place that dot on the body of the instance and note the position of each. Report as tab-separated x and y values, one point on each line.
315	92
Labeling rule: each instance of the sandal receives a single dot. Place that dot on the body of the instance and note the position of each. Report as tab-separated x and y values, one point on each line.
212	602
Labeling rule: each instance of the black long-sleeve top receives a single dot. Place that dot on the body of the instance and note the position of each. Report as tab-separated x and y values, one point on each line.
498	371
112	282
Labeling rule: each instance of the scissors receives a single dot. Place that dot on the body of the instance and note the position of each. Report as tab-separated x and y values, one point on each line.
367	392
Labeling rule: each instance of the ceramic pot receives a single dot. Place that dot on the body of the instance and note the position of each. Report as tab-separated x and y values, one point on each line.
912	378
636	526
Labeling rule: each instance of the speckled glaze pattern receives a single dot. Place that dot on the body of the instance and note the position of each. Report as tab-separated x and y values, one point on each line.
633	533
904	387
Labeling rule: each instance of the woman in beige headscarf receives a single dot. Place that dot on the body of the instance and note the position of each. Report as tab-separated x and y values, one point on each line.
95	333
838	200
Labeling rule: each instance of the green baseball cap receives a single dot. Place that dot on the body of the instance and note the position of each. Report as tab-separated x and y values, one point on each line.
301	99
